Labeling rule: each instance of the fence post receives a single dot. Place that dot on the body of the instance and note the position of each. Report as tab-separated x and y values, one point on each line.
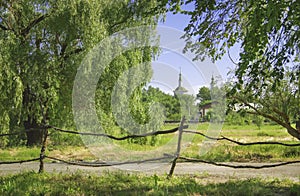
43	149
178	147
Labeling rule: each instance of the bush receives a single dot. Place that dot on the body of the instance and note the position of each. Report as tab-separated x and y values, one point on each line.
65	139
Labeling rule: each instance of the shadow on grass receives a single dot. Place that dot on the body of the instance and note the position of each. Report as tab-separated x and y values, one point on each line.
80	183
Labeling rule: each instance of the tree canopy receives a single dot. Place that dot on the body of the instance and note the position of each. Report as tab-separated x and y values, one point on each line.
280	106
204	94
42	44
170	103
267	31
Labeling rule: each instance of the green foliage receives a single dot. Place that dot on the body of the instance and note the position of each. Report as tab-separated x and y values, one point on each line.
268	35
119	91
65	139
240	118
42	44
280	105
263	134
188	108
80	183
169	102
258	120
213	102
267	32
204	94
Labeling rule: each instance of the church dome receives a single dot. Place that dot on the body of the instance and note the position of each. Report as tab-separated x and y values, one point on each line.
180	90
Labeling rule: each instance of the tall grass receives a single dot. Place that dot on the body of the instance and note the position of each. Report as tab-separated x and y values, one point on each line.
80	183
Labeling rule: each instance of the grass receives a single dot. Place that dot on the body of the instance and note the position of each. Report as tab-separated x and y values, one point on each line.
222	151
257	153
22	153
120	183
19	153
249	130
226	151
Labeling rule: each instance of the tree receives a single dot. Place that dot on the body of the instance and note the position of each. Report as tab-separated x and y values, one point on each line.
268	33
42	43
204	94
188	108
169	102
280	106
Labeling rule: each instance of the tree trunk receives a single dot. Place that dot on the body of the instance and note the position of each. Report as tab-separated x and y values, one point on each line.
298	126
295	132
34	134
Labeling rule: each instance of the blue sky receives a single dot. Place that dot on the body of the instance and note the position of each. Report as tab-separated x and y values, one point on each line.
166	67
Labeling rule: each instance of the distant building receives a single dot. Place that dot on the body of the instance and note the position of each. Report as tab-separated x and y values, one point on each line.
207	107
204	108
180	90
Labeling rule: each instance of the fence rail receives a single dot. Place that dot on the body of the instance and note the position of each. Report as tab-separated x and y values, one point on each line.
21	161
176	157
241	143
120	138
18	132
107	164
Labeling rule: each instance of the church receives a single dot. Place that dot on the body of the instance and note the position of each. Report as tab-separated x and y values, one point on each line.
180	90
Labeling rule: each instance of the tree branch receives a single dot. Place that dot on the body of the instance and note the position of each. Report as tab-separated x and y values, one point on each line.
275	110
230	58
25	31
76	51
7	27
4	28
292	131
256	111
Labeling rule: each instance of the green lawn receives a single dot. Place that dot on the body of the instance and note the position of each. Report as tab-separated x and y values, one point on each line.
227	151
249	130
221	151
121	183
80	183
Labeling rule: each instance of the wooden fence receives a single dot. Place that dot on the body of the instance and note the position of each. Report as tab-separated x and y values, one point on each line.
176	157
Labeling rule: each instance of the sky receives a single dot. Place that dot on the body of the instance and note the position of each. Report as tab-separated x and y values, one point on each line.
168	65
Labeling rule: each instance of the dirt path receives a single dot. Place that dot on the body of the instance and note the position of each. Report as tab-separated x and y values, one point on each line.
212	173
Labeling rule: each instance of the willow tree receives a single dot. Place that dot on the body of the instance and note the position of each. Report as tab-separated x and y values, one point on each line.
42	44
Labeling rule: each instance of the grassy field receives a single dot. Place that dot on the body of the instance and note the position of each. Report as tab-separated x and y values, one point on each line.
121	183
79	183
226	151
222	151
